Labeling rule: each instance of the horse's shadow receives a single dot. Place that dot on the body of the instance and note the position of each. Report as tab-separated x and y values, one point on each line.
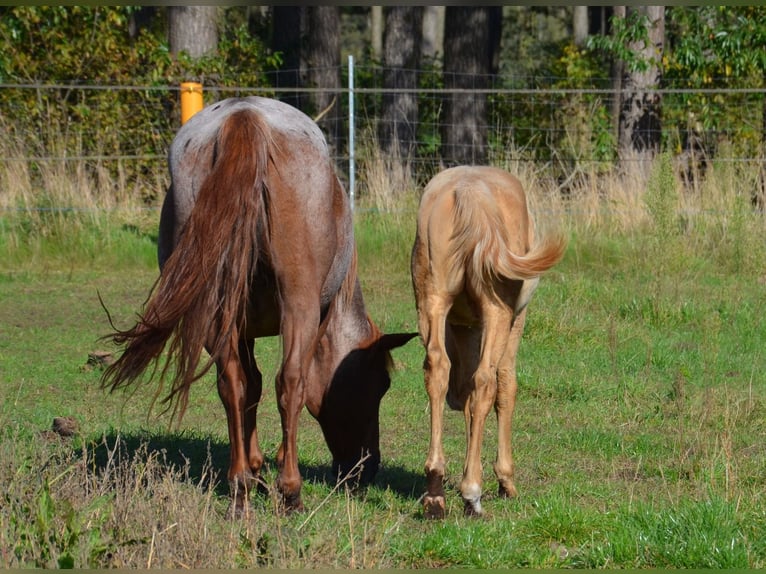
204	460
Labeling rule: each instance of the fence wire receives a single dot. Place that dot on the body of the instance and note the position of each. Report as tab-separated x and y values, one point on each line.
560	128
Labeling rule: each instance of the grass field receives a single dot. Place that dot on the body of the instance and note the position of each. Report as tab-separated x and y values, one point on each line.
639	433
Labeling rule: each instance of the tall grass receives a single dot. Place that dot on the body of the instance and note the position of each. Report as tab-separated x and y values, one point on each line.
639	427
70	211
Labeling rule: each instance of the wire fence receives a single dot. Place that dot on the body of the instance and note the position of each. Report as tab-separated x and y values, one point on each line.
561	129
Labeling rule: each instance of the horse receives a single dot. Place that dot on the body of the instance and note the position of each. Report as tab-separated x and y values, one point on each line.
256	239
475	265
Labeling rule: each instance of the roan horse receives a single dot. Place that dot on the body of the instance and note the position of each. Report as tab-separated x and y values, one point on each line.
475	265
256	239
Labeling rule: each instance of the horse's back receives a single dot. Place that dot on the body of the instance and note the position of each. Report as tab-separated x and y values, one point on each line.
307	228
303	154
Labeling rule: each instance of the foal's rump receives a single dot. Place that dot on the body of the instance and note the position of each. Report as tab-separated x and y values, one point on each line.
490	234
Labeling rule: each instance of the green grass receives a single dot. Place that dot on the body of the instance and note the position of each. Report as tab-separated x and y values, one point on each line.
639	430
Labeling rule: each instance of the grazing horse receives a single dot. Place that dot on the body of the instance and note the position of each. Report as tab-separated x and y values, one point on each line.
256	239
475	265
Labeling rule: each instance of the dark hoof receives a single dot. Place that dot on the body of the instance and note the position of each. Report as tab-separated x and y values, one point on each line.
290	504
434	507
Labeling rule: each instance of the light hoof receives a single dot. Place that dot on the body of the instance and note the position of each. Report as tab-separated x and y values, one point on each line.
472	507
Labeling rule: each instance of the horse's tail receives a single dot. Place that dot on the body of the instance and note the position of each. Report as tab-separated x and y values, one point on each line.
481	243
200	299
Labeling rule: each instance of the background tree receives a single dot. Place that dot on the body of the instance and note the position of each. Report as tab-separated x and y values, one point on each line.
641	104
580	25
399	119
468	62
288	23
323	70
193	29
432	46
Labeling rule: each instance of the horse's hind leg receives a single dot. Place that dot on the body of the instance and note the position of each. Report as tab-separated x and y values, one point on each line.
252	398
299	327
232	389
504	407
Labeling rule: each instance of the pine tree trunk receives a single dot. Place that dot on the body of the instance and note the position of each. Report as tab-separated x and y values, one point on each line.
468	54
397	130
193	29
641	105
288	23
580	25
323	70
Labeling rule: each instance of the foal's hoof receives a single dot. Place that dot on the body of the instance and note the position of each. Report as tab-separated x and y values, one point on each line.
434	507
472	508
507	490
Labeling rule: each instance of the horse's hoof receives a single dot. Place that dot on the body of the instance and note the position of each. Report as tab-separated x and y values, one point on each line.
434	507
291	504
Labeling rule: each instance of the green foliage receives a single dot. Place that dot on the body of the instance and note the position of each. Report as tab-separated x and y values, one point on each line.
626	32
58	534
121	115
588	135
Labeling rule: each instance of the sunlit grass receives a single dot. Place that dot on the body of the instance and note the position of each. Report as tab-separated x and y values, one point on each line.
638	434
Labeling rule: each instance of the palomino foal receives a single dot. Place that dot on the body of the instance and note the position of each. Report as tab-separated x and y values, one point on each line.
475	265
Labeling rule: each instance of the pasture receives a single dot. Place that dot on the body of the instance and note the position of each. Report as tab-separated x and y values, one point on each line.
639	433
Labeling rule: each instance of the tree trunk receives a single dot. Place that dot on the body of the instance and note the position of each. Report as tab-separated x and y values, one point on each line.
397	130
323	70
433	32
616	71
193	29
580	25
288	23
640	109
376	32
468	60
140	19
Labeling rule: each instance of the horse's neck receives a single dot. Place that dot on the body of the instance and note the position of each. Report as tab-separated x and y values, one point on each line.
348	326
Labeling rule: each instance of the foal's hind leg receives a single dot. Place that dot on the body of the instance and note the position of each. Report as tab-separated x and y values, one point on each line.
504	407
232	389
496	324
432	324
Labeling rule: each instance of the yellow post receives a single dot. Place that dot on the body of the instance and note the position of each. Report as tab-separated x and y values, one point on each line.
191	99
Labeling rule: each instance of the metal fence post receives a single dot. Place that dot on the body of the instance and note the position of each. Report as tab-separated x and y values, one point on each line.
351	166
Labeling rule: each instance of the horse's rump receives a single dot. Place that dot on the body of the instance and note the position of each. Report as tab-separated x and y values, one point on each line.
200	299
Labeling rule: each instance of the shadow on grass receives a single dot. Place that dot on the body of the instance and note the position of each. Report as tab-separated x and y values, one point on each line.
204	458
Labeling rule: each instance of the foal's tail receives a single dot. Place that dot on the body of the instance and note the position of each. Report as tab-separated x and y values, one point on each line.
481	243
200	299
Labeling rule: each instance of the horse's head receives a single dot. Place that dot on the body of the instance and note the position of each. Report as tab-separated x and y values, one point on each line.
351	406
